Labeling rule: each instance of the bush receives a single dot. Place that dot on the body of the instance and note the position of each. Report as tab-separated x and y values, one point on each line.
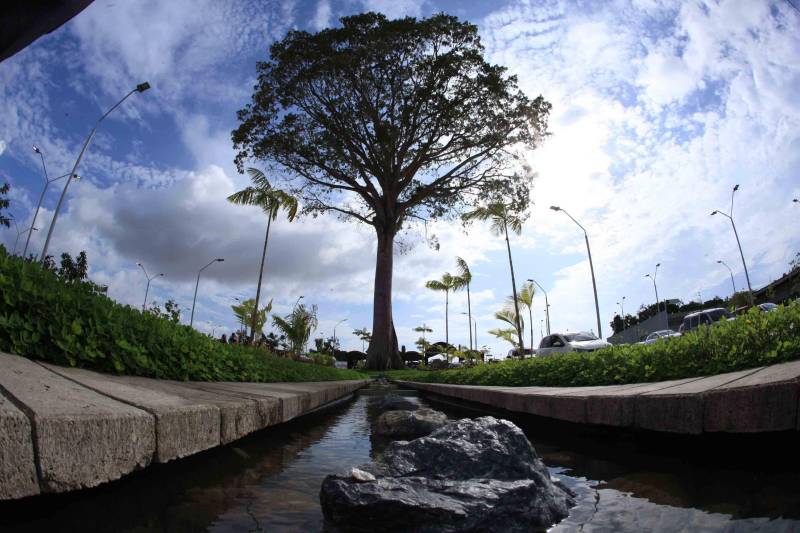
69	323
754	339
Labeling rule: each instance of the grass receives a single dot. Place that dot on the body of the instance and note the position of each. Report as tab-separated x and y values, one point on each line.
752	340
69	323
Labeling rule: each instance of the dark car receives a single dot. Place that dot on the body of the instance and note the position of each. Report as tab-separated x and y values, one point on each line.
705	317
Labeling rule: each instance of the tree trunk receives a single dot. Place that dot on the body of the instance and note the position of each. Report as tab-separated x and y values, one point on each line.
382	353
260	275
469	318
447	320
514	291
530	317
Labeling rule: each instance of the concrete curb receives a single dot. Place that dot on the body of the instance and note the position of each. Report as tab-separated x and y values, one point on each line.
755	400
63	429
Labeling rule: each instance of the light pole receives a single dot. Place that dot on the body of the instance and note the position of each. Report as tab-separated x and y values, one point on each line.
736	234
19	234
591	268
334	334
622	312
546	304
721	262
142	87
655	288
297	302
47	182
149	279
197	284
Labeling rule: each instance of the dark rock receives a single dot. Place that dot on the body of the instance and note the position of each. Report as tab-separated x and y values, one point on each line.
470	475
393	402
409	423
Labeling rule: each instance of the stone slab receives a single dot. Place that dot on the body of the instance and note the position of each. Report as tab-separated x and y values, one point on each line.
81	438
17	465
183	426
766	400
680	409
238	416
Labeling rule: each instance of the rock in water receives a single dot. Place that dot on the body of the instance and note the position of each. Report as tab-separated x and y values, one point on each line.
470	475
393	402
409	423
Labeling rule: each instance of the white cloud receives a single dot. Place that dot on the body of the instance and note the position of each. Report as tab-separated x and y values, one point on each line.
395	8
322	17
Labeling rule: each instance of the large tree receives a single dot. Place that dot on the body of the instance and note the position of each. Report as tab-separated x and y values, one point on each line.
384	121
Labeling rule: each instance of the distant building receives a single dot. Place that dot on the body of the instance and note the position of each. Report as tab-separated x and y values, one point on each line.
783	289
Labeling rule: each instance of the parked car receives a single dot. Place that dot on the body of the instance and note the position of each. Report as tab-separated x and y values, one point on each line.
706	317
525	354
768	306
661	334
570	342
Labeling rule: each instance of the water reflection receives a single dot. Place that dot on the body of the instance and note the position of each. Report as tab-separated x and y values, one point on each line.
270	482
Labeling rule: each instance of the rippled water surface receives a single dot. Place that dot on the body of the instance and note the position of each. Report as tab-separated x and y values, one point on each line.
270	482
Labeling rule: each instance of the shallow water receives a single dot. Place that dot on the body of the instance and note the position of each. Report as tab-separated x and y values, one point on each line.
270	482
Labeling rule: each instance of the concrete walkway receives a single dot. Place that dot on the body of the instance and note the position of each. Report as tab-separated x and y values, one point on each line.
64	429
749	401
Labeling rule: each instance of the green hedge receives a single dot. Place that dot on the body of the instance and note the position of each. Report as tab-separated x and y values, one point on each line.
43	317
752	340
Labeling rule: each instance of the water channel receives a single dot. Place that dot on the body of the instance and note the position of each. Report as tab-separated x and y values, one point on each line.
270	481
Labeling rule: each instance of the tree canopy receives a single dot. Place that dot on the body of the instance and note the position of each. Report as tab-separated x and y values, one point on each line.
383	121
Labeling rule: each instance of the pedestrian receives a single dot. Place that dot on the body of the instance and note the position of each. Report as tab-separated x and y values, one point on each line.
223	339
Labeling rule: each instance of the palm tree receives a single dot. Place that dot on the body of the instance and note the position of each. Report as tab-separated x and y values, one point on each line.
463	280
246	313
364	335
270	200
297	325
502	219
446	284
424	329
507	334
525	297
510	317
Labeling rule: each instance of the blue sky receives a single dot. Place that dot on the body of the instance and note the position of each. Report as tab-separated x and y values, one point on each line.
659	108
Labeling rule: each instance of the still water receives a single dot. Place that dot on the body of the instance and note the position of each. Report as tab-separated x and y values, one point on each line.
270	482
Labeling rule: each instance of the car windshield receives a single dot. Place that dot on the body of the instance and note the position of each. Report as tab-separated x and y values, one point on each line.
717	314
571	337
768	306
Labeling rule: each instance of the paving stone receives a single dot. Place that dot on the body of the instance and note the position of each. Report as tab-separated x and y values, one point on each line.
183	426
766	400
81	438
17	467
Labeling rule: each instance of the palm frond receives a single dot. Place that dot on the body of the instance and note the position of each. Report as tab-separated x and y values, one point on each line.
463	270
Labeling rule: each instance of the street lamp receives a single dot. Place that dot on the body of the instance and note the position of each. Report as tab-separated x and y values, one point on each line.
298	301
19	234
469	327
721	262
149	279
622	311
241	318
47	182
194	300
334	332
655	288
591	268
142	87
730	217
546	304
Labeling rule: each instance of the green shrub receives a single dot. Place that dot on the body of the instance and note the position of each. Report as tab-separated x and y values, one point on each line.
754	339
69	323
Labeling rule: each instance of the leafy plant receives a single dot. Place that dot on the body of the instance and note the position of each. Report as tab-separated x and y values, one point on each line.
297	326
754	339
68	323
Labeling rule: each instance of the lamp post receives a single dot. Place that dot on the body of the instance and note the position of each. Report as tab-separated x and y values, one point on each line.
19	234
241	318
469	327
298	301
655	288
142	87
149	279
197	284
47	182
334	334
721	262
622	311
729	216
546	304
591	268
